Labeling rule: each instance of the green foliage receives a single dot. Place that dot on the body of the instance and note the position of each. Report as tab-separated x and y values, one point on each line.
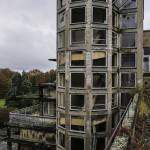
2	103
13	84
5	82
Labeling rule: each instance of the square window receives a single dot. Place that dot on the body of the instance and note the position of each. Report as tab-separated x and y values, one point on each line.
77	101
78	15
99	58
99	37
77	58
78	36
128	79
128	21
77	80
77	143
99	102
99	80
77	123
128	40
99	15
128	60
125	99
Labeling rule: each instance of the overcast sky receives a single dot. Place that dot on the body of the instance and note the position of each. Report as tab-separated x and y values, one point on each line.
28	33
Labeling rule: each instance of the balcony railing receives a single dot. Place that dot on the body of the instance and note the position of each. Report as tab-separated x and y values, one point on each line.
30	116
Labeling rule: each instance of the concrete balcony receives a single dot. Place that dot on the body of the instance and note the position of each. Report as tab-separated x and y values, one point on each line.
30	116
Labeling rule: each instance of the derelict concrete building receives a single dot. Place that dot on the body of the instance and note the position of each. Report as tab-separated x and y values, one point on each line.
99	65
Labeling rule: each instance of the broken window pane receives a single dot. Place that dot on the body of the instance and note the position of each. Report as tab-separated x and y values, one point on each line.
99	58
61	58
78	36
77	101
61	79
99	102
77	58
77	80
61	139
128	39
99	37
114	80
114	59
77	123
77	143
61	39
78	15
99	80
61	99
128	79
128	60
125	99
99	15
128	21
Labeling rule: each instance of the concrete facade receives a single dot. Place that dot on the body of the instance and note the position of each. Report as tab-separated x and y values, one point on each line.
99	65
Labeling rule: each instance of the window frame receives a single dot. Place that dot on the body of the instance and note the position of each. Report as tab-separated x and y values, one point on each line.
135	60
106	59
70	55
71	78
101	7
135	83
79	138
71	15
104	29
80	131
105	80
77	43
81	109
106	102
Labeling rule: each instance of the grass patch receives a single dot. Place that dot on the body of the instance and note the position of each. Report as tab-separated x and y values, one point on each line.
2	103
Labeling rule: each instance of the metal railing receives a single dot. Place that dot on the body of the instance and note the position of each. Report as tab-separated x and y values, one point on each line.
119	125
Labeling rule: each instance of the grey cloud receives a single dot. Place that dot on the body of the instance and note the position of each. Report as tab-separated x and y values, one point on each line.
27	34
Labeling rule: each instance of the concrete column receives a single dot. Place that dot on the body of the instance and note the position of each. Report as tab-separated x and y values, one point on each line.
67	76
88	38
140	52
109	72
